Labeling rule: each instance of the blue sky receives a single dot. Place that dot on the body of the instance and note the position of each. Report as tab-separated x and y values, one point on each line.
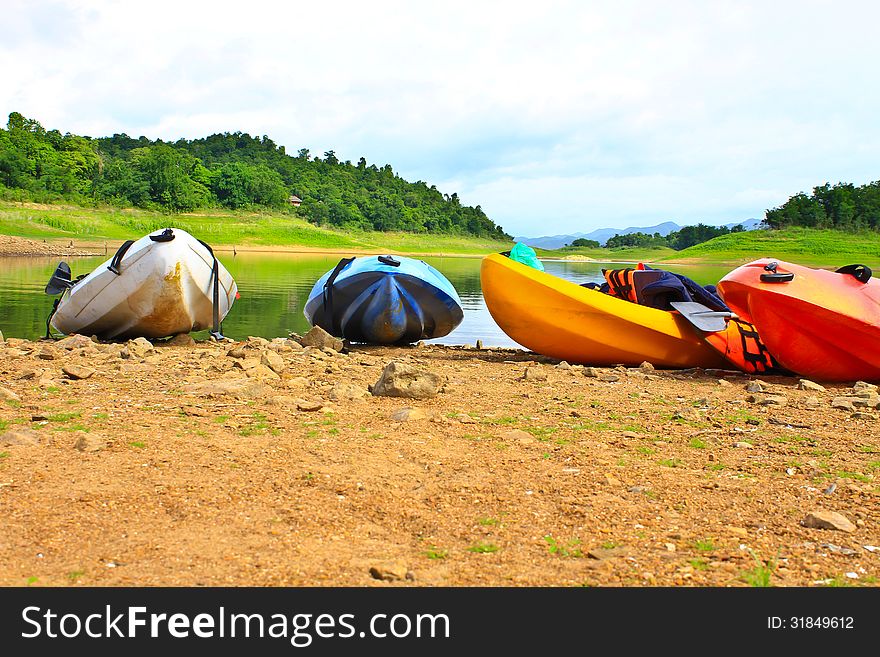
554	117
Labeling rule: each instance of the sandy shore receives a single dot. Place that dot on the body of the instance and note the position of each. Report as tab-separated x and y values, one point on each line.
266	463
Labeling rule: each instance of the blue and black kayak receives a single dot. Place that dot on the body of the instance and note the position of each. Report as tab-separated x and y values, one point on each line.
384	300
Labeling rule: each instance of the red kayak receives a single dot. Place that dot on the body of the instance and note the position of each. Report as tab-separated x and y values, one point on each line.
821	324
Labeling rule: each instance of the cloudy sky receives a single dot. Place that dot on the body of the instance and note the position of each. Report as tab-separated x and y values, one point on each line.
554	117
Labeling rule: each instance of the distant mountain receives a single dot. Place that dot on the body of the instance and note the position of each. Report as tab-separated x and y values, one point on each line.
748	224
602	235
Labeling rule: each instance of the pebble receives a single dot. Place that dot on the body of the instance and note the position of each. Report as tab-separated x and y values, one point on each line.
828	520
408	414
8	395
77	372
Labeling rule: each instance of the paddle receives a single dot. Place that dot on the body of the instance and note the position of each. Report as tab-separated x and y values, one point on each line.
703	317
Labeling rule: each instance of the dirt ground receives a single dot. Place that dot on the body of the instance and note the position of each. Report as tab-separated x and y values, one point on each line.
269	464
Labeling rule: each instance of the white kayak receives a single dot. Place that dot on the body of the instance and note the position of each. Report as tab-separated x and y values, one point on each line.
165	283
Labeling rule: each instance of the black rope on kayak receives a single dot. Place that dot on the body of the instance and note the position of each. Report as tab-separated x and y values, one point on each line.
216	332
328	294
49	319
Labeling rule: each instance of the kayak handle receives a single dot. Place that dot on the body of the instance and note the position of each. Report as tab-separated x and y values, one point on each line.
862	273
777	278
774	276
389	260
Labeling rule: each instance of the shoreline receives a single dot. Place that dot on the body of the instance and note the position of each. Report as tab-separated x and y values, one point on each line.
267	463
13	246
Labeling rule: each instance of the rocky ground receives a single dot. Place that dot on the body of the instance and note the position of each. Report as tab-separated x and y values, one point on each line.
20	246
274	463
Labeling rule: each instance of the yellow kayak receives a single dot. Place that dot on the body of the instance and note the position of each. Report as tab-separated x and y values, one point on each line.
560	319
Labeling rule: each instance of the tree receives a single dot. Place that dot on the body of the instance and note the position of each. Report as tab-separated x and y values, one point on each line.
590	244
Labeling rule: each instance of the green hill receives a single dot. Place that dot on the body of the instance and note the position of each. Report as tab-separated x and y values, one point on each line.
808	246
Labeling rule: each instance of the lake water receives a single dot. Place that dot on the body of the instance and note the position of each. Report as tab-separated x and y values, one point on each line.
274	289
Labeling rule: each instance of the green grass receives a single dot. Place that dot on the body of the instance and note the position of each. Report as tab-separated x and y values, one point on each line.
804	246
704	545
567	549
483	548
436	553
760	574
223	228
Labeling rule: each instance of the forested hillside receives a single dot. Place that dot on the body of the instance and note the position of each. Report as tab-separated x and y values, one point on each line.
229	170
842	206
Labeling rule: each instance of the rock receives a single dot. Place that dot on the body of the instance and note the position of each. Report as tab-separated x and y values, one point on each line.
535	373
843	403
862	415
402	380
29	374
234	387
48	352
724	383
828	520
181	340
260	371
390	572
77	372
743	445
245	364
602	554
863	386
20	436
608	480
318	337
609	378
196	411
309	406
646	367
479	344
868	400
75	341
519	436
8	395
237	351
139	346
88	442
563	365
273	361
756	386
348	391
408	414
812	402
806	384
767	400
591	372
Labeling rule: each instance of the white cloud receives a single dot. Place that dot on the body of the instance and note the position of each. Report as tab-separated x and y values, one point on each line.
607	113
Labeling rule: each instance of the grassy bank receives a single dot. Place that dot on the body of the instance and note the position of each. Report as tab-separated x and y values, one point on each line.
825	248
819	248
222	229
622	254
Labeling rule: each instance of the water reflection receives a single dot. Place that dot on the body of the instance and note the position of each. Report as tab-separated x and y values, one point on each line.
274	288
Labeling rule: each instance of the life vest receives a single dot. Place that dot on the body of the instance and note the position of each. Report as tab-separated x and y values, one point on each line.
622	282
739	342
741	345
